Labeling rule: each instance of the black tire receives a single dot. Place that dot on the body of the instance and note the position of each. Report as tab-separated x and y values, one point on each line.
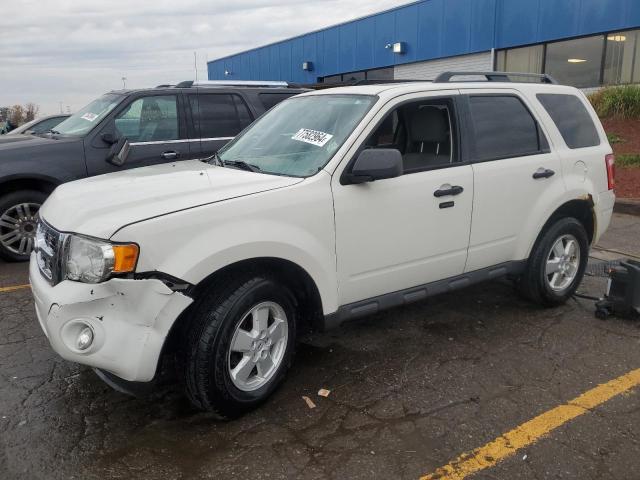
204	354
533	283
7	202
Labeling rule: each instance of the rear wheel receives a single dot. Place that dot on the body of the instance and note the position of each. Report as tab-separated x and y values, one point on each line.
239	345
18	221
557	263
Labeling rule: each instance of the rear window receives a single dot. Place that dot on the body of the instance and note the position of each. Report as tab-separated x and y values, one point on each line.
503	127
572	119
270	100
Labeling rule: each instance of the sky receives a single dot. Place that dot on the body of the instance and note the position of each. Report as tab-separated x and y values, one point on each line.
64	53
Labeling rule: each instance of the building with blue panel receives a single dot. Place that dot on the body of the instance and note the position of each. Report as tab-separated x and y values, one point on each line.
585	43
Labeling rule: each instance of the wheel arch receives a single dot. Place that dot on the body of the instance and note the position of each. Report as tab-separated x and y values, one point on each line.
582	209
41	183
296	278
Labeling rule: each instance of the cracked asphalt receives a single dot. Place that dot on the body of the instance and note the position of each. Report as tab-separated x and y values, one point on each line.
411	389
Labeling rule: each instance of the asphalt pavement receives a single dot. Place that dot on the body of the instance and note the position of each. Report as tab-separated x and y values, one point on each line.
430	385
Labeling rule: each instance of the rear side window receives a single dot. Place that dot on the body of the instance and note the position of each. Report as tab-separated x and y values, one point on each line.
270	100
219	115
572	119
503	128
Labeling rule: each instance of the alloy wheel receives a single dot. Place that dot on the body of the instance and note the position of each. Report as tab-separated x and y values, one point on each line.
563	262
18	228
258	346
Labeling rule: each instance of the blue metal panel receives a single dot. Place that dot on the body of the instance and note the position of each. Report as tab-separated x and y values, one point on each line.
366	44
431	29
385	34
406	30
516	22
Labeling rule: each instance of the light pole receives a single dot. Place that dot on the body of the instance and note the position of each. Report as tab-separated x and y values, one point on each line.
124	83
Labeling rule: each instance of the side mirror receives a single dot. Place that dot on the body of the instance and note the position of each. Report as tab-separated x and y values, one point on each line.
109	138
119	152
375	164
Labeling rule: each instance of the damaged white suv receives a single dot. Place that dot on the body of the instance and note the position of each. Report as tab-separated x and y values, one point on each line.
335	204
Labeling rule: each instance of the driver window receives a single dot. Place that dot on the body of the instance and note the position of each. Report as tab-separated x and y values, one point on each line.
423	131
149	119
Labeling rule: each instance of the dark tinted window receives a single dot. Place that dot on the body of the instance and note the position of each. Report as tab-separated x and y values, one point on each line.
219	115
571	118
270	100
575	62
503	128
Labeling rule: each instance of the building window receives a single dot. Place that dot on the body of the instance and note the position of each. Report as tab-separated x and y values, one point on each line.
375	74
576	62
524	60
622	59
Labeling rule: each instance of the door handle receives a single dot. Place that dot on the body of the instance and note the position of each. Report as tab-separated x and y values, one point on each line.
448	190
170	155
543	173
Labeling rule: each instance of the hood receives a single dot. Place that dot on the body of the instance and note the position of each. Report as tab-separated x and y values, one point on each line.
27	141
99	206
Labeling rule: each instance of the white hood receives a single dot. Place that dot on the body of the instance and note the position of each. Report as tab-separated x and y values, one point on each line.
99	206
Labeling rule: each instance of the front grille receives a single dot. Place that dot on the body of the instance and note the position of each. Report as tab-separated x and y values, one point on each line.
49	251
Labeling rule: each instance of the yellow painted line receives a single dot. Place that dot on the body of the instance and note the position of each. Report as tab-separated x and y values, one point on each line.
530	432
14	288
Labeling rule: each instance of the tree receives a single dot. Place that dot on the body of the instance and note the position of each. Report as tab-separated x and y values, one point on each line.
31	111
17	115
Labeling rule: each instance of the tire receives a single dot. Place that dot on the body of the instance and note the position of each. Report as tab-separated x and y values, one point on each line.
548	289
18	217
208	360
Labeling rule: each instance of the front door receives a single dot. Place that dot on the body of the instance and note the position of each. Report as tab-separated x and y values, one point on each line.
407	231
155	132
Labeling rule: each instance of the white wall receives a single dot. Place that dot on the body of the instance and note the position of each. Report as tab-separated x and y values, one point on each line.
430	69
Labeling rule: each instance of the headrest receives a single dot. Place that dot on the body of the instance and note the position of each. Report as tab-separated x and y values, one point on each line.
428	125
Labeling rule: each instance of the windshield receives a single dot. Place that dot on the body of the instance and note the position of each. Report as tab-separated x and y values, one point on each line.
85	119
300	135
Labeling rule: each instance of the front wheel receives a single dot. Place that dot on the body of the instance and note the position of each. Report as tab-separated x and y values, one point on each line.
557	263
18	221
239	345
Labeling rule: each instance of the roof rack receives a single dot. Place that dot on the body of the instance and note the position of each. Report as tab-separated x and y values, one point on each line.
445	77
232	83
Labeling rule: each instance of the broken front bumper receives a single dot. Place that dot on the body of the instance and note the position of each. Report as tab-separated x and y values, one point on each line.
129	319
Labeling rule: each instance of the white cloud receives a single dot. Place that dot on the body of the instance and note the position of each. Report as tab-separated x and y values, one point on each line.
71	51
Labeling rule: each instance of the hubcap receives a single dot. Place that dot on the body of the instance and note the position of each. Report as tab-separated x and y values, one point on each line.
563	262
258	346
18	228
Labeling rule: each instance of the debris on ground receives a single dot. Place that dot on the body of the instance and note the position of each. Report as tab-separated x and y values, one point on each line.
309	402
323	392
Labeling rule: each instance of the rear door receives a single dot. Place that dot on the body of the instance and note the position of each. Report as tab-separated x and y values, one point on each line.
516	175
216	119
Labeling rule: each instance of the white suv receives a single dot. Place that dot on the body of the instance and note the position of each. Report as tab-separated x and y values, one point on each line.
333	205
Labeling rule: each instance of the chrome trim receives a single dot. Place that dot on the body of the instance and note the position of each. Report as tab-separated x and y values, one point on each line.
182	140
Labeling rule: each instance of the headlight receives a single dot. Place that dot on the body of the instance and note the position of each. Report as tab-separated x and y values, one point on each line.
90	260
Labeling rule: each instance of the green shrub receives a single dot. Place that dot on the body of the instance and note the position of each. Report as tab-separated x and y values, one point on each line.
617	102
628	160
614	138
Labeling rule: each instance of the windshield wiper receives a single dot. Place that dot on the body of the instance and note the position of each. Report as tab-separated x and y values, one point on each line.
241	165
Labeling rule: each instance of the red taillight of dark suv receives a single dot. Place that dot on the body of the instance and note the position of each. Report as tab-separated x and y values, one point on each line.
610	161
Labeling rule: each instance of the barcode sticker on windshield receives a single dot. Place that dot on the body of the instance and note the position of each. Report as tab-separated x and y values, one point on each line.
90	117
313	137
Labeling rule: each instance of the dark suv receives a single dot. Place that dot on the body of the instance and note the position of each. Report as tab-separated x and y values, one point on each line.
163	124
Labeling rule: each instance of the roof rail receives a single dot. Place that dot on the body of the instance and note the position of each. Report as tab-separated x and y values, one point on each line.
232	83
445	77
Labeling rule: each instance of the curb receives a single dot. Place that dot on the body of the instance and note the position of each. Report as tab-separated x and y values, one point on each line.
630	206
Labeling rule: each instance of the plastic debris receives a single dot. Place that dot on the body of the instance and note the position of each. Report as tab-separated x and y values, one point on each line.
323	392
309	402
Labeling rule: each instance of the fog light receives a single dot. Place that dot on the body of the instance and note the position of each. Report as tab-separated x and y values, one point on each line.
85	338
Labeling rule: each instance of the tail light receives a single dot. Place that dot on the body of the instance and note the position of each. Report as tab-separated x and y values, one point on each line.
610	161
